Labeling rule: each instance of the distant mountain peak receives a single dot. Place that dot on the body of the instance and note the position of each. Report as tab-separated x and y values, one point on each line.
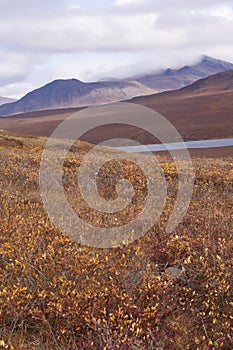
208	58
215	63
65	81
171	79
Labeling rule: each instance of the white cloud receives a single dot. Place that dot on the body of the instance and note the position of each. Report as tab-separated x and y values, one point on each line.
87	39
128	2
14	67
87	33
168	5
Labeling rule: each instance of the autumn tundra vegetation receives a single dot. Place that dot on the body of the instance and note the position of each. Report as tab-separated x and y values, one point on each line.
163	291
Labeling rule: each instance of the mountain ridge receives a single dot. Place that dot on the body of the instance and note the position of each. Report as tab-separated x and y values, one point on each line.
62	93
215	84
185	75
70	93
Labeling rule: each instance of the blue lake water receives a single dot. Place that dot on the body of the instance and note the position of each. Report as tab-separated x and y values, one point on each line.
177	146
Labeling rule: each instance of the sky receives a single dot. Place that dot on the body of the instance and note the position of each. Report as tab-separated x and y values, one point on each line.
93	39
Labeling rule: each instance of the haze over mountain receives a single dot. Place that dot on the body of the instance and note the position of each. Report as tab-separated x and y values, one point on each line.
75	93
171	79
4	100
219	83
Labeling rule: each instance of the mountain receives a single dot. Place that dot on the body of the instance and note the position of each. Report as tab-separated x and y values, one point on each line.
73	93
4	100
171	79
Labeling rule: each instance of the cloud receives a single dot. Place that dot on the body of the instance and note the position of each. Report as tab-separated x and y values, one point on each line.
171	5
43	40
14	67
119	33
23	8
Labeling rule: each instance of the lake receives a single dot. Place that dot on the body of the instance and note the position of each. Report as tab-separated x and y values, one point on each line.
177	146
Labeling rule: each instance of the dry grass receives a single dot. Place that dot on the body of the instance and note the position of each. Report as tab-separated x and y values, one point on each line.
161	292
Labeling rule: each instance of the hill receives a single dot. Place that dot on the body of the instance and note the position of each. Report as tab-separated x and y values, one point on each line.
217	83
200	111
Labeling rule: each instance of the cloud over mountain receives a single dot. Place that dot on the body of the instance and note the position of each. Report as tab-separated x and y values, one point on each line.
42	38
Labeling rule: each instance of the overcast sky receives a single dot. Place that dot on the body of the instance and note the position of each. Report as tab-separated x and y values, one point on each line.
89	39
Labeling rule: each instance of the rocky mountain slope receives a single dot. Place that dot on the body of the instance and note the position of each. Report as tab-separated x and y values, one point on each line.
72	93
